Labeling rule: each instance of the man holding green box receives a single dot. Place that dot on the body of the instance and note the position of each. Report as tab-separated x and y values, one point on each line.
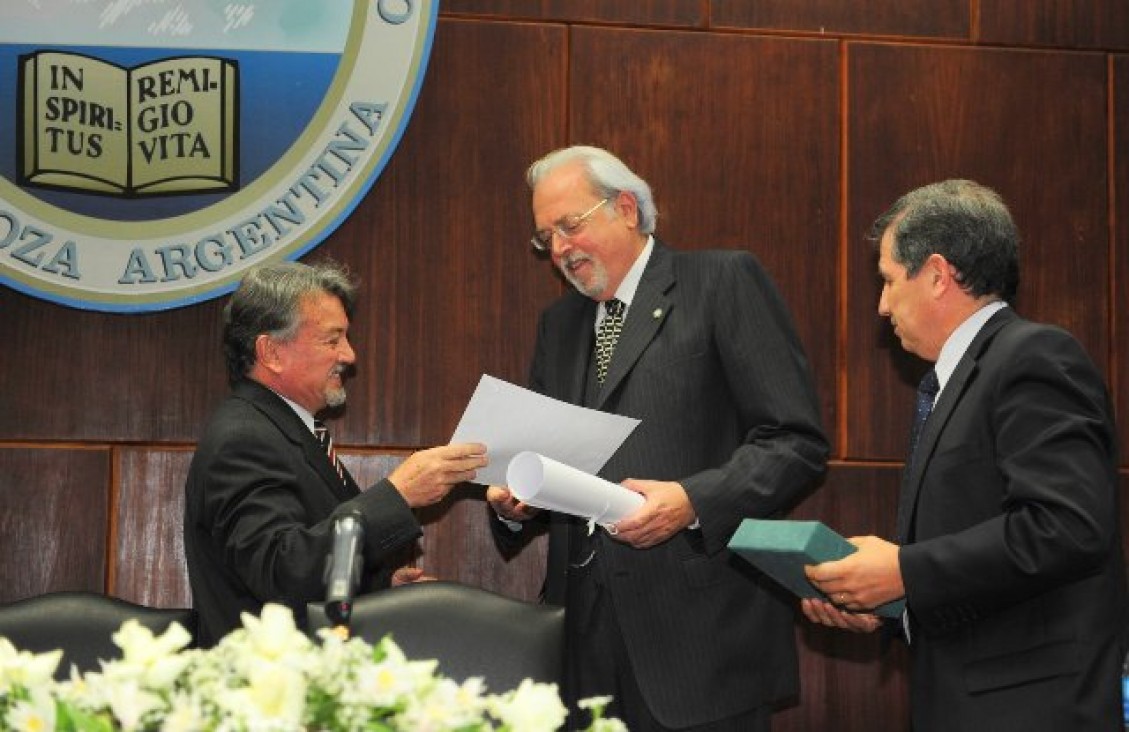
1009	544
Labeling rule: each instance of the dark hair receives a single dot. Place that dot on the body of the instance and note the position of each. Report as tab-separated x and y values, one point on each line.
267	301
967	224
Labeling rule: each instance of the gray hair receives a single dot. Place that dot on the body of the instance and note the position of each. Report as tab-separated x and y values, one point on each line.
966	223
607	174
267	303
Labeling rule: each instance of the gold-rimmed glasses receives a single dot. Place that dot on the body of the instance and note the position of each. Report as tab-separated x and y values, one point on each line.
566	227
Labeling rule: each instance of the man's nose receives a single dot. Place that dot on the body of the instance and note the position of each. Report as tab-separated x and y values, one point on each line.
348	355
560	244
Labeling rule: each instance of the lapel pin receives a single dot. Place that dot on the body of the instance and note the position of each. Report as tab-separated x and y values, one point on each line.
658	313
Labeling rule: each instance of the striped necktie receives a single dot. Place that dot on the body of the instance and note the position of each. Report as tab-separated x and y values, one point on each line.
326	441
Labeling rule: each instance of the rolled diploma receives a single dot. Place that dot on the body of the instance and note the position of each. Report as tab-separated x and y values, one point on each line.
545	483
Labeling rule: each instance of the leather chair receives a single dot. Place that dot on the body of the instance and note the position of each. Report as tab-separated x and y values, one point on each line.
81	624
470	631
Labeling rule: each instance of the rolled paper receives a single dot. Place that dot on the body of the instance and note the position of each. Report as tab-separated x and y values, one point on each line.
545	483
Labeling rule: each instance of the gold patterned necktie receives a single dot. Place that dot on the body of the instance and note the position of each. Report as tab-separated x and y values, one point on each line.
326	441
607	335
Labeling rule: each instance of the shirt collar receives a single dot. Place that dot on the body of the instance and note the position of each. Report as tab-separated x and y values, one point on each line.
302	412
625	293
953	350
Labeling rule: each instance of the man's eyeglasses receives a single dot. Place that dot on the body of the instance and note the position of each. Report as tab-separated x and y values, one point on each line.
566	228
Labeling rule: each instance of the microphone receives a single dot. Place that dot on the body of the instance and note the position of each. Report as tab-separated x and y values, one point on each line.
343	567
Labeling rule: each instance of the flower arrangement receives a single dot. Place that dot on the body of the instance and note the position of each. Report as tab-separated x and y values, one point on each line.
267	676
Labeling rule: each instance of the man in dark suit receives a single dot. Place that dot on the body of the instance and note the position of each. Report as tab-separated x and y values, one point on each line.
661	615
1010	547
263	492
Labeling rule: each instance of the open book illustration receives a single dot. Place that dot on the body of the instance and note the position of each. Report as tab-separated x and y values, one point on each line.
163	127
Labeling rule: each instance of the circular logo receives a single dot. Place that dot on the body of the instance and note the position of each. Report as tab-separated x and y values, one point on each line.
153	151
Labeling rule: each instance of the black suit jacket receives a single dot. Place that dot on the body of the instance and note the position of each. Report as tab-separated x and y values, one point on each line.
260	500
709	361
1014	574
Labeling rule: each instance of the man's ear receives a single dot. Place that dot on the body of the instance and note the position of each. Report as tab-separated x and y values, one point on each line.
266	353
627	207
942	275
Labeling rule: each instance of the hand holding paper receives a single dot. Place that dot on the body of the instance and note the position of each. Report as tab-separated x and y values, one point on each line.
545	483
509	419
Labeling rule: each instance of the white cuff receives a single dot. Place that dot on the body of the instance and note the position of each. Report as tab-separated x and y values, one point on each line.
514	526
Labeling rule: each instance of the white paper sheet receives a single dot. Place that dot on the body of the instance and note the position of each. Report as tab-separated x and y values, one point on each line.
509	420
546	483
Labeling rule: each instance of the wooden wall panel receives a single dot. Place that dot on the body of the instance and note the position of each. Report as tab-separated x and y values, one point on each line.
148	548
1063	23
53	519
634	12
151	377
926	18
922	114
1119	252
717	125
850	684
451	287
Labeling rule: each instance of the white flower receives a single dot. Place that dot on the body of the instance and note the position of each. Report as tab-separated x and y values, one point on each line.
532	707
25	669
266	677
185	715
35	714
273	635
594	702
152	660
445	705
129	703
385	683
139	645
273	698
599	724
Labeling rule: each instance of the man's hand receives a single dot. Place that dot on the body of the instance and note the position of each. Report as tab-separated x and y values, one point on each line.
666	510
825	613
507	506
408	575
864	580
427	476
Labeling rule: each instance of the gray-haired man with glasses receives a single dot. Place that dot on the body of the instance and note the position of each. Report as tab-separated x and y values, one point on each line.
700	347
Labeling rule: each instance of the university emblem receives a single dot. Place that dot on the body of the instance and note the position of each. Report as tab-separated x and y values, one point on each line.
152	150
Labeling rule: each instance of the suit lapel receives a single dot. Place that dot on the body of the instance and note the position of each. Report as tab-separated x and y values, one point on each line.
577	353
294	429
649	308
950	396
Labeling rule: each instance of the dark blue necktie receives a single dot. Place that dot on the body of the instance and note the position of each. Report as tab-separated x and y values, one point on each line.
926	394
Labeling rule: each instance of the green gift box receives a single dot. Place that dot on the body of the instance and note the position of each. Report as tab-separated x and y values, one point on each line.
780	549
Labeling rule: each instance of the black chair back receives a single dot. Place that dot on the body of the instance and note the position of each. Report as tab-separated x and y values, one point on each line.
470	631
81	624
